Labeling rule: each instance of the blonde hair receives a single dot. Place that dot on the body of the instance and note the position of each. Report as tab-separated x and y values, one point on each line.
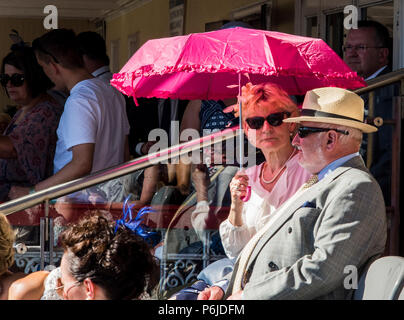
253	96
6	244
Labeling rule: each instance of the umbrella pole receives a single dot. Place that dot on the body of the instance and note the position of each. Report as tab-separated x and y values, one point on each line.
241	137
240	121
241	154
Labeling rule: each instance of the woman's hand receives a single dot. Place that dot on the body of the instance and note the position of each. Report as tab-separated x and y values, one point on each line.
212	293
238	190
238	186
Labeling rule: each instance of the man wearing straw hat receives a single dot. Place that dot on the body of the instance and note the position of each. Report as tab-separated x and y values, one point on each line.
317	244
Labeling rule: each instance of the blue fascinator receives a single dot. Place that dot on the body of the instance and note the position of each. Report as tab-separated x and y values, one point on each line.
135	224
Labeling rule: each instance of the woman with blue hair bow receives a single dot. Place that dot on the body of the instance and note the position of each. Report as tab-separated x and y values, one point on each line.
102	260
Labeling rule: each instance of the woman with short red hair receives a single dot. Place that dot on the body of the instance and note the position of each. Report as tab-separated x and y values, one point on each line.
273	181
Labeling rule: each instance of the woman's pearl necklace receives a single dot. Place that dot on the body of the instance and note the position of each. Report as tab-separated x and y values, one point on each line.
280	170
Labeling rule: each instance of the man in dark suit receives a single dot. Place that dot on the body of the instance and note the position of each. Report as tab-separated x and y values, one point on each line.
367	51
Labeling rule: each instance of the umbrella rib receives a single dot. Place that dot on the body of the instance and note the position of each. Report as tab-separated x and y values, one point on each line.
268	52
175	67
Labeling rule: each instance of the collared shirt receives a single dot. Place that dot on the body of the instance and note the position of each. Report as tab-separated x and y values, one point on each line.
375	74
103	73
335	164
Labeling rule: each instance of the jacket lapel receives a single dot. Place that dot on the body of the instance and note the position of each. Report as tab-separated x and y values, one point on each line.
291	208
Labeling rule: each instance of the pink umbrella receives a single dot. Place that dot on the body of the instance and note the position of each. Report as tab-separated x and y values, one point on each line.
208	65
214	65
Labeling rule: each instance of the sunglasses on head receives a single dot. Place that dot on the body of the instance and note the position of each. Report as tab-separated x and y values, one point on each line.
17	79
274	119
303	132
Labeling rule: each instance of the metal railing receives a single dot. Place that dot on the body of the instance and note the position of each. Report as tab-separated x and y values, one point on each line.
60	190
46	245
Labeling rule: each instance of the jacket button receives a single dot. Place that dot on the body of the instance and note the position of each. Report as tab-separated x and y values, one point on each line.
273	266
290	230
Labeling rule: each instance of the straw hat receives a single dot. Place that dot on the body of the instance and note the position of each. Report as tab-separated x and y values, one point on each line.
334	105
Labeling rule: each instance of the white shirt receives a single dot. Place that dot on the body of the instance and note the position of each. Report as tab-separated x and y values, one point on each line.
94	113
375	74
103	73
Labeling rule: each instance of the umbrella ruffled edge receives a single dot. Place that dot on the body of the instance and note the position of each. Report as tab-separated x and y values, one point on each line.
123	81
125	76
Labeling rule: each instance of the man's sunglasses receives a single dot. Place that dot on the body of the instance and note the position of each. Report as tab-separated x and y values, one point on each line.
17	79
274	119
303	132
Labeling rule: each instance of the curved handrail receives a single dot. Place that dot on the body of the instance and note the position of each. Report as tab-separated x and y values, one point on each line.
57	191
381	81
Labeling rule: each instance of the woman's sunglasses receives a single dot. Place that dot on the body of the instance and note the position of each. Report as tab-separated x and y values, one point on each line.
274	119
305	131
17	79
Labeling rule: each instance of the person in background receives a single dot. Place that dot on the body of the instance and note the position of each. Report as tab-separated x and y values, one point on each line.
93	49
94	52
105	260
367	51
93	129
27	146
6	258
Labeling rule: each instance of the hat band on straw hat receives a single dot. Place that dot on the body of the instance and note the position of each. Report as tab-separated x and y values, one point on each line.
317	113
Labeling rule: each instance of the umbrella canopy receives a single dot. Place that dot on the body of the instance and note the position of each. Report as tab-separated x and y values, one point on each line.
208	65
